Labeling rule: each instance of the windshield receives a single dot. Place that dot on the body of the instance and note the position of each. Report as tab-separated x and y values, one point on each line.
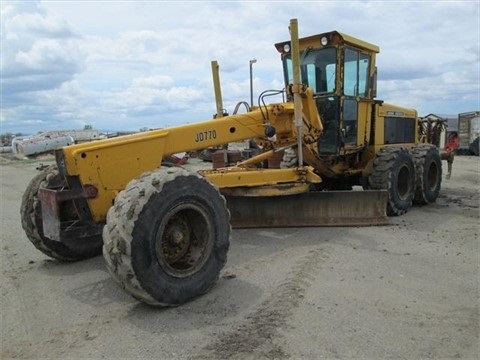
317	69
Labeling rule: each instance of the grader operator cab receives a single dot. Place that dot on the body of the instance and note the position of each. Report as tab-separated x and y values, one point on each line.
165	231
365	141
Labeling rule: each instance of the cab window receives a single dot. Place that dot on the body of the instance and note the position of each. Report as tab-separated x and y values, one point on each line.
356	72
317	70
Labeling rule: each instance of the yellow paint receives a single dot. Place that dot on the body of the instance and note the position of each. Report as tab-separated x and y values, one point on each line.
111	163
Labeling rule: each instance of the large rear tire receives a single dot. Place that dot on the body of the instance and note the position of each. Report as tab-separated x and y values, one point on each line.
394	171
32	223
429	173
167	237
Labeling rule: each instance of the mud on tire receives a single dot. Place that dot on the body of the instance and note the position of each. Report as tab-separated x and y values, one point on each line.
290	159
31	216
428	173
394	171
167	237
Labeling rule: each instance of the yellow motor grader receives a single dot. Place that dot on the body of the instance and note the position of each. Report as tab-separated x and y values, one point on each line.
165	231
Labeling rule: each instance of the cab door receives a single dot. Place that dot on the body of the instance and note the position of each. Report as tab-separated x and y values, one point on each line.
356	71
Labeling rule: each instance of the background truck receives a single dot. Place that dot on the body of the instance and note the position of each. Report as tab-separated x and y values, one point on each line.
469	133
165	231
48	141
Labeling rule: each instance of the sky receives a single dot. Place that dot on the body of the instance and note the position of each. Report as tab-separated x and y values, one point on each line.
130	65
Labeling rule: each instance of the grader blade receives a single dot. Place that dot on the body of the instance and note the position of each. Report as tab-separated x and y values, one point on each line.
323	208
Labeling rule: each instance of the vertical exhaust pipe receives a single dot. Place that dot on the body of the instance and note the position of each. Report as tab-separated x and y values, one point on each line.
217	89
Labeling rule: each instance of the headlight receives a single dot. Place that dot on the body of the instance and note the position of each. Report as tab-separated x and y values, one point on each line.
324	41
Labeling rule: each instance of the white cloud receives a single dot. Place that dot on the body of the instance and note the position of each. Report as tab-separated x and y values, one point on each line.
47	55
158	81
129	64
39	53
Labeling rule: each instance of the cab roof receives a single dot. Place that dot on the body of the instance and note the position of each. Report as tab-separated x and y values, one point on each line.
333	38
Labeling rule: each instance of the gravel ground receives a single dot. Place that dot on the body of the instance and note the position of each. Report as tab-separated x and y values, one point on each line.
408	290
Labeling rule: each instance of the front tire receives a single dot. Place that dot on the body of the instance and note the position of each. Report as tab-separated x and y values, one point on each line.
429	173
394	171
167	237
290	159
32	223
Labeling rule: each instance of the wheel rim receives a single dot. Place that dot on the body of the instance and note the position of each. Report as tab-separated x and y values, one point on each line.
432	176
184	240
403	183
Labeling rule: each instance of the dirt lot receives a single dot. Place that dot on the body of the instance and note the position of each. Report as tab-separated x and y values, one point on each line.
409	290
